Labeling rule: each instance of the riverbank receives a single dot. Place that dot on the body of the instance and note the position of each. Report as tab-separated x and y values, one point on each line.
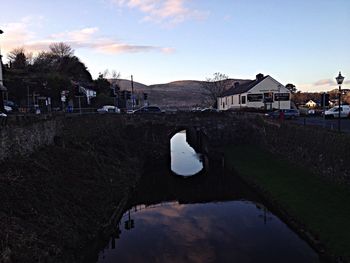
55	201
316	207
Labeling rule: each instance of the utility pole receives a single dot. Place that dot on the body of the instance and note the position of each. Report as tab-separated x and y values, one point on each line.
279	97
28	105
79	104
324	108
132	92
340	80
2	87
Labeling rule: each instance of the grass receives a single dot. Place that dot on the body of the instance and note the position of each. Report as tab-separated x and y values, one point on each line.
321	206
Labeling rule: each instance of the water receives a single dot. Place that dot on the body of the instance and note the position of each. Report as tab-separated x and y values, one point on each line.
184	159
211	217
232	231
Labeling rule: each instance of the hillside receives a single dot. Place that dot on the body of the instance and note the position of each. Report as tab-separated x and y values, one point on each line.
183	94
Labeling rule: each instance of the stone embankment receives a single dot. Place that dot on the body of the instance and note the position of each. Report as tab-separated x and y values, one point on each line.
25	134
61	180
323	152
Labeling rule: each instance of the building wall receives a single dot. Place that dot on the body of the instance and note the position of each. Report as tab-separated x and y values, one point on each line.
228	102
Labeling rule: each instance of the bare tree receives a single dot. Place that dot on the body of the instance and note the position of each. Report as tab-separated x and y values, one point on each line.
19	58
13	53
214	87
115	74
61	50
106	73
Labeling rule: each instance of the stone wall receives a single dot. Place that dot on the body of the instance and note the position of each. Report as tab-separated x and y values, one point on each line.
321	151
23	138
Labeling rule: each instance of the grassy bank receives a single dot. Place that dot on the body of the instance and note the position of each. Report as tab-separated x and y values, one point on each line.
320	206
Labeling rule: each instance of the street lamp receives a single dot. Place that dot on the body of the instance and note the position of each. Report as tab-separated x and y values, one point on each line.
279	96
2	87
340	80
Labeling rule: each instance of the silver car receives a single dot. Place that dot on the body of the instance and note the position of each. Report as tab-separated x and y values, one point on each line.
286	113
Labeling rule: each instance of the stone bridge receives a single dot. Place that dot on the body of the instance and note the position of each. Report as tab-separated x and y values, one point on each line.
206	132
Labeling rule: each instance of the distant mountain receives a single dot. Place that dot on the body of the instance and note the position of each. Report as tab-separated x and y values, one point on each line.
182	94
125	84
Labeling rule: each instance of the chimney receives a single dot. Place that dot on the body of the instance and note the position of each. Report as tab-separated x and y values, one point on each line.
259	76
236	84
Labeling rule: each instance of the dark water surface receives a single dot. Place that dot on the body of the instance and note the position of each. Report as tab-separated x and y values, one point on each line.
233	231
210	217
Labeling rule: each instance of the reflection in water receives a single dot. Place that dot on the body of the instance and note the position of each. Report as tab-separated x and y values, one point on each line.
184	159
213	217
232	231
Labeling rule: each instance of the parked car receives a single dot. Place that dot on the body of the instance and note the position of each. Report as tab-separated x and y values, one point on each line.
209	110
108	108
334	112
286	113
311	112
196	109
11	104
148	109
7	108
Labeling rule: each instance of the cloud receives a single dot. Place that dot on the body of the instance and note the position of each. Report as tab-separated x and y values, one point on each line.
77	35
322	85
324	82
329	82
21	34
169	12
16	33
112	47
89	38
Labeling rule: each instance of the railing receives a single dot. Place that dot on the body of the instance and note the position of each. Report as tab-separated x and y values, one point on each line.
19	118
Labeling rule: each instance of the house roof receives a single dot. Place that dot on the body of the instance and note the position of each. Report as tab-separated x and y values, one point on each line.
242	88
311	101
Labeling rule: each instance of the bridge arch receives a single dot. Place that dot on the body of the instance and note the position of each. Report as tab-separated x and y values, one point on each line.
185	156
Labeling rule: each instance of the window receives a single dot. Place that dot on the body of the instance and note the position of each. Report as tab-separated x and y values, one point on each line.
254	97
281	96
243	99
232	100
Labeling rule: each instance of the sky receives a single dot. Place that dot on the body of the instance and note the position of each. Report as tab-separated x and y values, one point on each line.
304	42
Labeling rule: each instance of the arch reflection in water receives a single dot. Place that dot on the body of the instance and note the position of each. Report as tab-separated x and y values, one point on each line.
184	159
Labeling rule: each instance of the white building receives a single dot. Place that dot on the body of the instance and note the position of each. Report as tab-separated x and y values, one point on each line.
262	93
311	104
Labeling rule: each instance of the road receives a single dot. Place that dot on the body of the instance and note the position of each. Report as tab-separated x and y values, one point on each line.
331	124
